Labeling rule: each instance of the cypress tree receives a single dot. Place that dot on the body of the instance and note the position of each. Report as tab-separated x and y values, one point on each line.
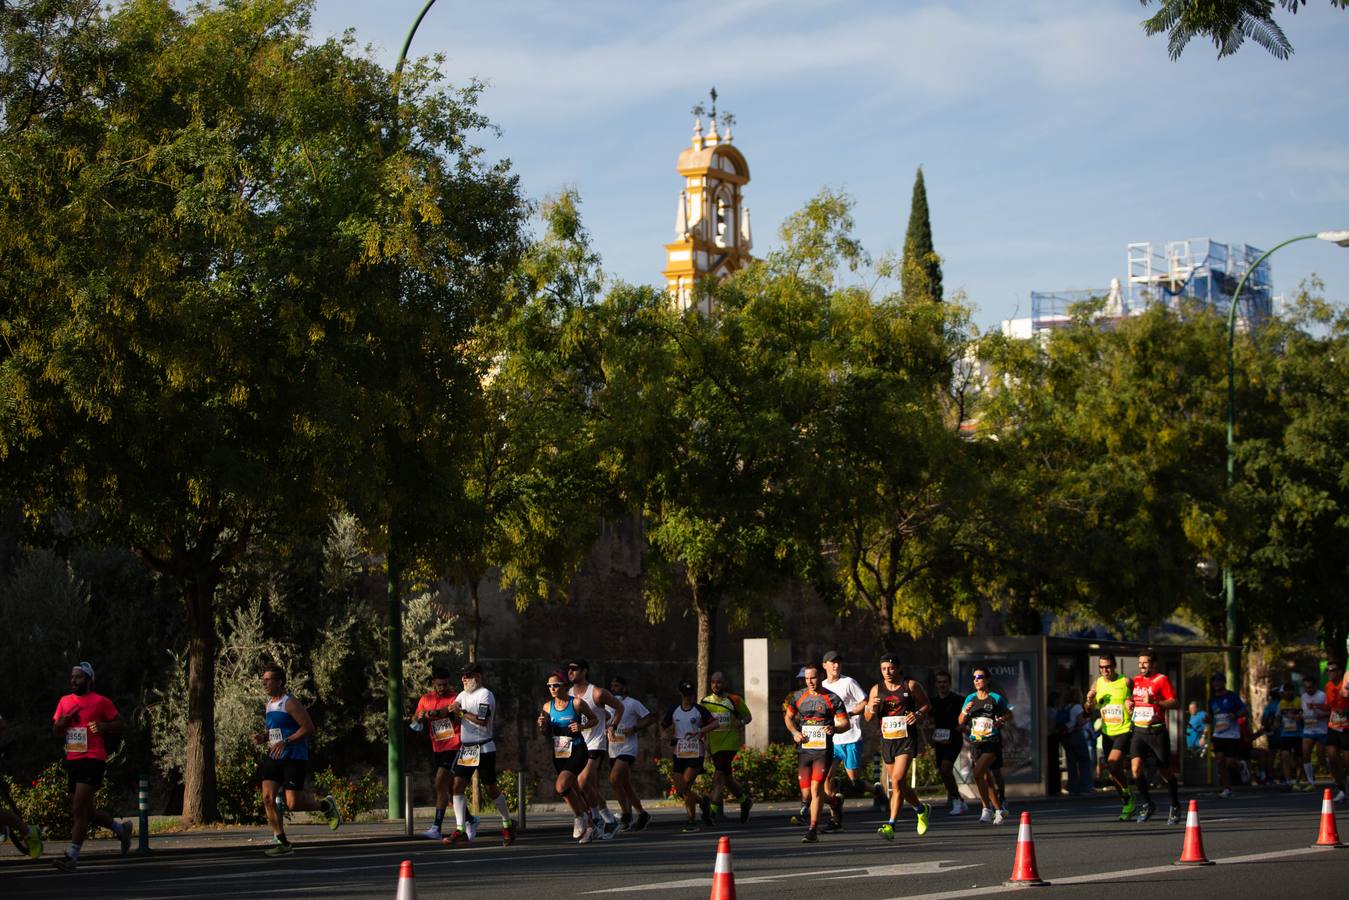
920	276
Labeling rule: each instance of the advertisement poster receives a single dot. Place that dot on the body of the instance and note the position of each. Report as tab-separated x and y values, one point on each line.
1016	676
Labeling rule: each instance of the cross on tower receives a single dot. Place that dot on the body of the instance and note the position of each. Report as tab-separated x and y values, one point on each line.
727	120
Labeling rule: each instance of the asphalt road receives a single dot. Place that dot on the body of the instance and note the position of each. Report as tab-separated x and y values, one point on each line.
1260	843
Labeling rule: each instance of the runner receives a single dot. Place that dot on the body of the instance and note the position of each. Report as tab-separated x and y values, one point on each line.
433	713
1314	714
476	706
623	753
600	702
1290	736
1110	695
27	839
686	726
82	719
847	744
564	719
944	708
983	714
1226	710
899	703
723	743
1337	727
286	762
811	715
1152	697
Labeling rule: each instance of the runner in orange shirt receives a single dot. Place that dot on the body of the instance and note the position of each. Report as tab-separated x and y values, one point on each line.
81	720
442	728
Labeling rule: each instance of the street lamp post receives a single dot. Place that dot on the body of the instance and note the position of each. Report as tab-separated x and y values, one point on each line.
1341	238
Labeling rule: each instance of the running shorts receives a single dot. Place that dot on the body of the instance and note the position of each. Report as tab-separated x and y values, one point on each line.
289	773
1156	744
946	752
979	748
681	765
849	754
1112	742
1227	746
622	757
486	769
1291	743
443	759
85	771
1338	739
574	764
1319	738
722	760
893	749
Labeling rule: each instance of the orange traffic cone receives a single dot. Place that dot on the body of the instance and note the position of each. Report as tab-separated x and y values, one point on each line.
723	879
1329	836
1192	854
407	882
1024	871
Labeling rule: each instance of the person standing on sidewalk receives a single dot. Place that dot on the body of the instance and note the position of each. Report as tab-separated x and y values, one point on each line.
285	765
81	720
434	714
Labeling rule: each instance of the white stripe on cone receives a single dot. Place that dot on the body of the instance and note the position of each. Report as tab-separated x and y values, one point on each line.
1192	820
723	866
1023	835
1327	806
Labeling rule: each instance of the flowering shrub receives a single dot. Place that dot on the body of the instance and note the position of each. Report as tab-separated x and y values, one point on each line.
353	796
46	802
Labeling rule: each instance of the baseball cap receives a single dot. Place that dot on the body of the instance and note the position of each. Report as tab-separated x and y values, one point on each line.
472	668
832	655
686	687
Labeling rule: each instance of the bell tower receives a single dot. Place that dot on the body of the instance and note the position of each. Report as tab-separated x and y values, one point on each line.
712	234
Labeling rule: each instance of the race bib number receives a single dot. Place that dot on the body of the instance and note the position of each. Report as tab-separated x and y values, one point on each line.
442	729
689	747
813	737
1222	723
981	727
941	735
1113	714
469	756
723	719
77	740
1291	724
274	736
563	746
1339	719
894	727
1143	715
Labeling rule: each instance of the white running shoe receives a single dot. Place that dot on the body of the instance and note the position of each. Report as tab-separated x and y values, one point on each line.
578	825
1338	798
471	829
1225	794
999	816
433	833
608	830
586	834
959	808
986	816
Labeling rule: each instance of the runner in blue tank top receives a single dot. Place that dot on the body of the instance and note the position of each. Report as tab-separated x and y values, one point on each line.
562	719
285	766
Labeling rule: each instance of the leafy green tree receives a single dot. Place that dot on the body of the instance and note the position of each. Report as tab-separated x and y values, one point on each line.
920	268
224	287
1227	23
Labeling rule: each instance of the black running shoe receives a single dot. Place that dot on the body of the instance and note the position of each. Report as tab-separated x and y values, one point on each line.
706	807
643	818
1173	816
811	837
1145	811
745	806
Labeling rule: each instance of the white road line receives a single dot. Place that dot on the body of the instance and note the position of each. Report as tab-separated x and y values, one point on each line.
927	867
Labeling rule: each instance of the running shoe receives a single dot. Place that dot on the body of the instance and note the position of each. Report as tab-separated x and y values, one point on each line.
689	827
1303	786
999	817
33	842
278	848
1338	798
471	827
1225	794
1130	806
986	816
1173	816
802	816
706	807
433	833
643	819
959	808
508	832
66	863
578	825
887	831
328	806
745	806
608	829
456	838
811	837
625	822
587	833
923	813
831	826
1146	811
718	813
123	832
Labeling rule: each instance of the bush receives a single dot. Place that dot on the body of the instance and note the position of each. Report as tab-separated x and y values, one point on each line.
768	774
353	796
46	802
507	782
238	794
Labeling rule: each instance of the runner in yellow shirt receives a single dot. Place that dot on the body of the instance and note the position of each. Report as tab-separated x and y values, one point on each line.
723	743
1111	696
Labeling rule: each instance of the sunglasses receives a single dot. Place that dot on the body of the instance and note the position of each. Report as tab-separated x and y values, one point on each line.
980	677
573	668
1103	668
555	687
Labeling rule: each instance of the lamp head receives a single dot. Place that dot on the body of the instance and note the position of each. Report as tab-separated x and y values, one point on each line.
1340	237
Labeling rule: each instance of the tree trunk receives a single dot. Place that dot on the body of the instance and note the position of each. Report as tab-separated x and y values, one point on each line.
704	619
474	618
199	776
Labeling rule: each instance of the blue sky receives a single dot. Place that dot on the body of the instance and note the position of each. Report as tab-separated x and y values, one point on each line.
1051	134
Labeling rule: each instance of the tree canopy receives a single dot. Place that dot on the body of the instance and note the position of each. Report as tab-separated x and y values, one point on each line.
1227	23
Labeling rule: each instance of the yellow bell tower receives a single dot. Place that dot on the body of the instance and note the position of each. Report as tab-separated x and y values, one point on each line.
712	234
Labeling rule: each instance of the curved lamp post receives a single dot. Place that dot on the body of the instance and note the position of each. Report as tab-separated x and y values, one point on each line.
394	626
1341	237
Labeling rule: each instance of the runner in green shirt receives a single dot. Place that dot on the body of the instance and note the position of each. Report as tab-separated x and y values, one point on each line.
1111	695
723	742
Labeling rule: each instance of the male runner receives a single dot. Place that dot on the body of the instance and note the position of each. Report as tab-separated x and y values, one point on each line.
686	726
812	714
434	714
899	703
477	708
27	839
1225	711
1111	694
723	742
1314	714
847	744
81	720
1152	697
286	763
1290	735
1337	726
944	707
600	702
623	753
984	713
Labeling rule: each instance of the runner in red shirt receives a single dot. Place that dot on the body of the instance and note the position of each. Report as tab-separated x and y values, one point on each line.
82	718
442	727
1337	729
1152	697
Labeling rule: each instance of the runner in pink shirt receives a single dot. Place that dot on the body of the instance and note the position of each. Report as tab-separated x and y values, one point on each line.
82	719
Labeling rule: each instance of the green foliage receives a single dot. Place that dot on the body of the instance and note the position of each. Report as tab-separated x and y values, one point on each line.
45	802
354	796
238	789
508	781
920	273
1227	23
768	774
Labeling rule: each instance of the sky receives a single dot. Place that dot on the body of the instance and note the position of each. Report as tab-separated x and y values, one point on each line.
1051	134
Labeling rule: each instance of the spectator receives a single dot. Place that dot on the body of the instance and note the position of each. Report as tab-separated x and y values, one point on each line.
1196	729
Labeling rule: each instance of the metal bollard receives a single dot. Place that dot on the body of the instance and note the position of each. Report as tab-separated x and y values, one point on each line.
407	805
520	799
143	805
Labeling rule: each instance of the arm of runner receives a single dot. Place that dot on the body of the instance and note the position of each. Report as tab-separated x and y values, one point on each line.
742	711
301	717
709	722
115	725
645	722
873	703
605	698
542	720
588	717
789	719
920	697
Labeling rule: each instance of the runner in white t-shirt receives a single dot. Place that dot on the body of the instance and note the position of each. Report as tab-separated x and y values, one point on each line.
623	734
847	744
477	707
604	706
1315	714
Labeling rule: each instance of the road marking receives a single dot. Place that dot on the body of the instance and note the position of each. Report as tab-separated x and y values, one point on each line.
928	867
